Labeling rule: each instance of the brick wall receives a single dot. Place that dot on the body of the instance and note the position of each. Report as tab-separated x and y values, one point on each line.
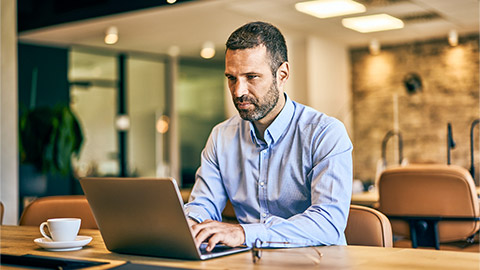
450	77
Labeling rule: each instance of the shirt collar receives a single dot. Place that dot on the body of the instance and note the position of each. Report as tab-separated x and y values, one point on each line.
279	124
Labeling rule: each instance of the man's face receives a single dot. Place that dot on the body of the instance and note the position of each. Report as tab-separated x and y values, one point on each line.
254	89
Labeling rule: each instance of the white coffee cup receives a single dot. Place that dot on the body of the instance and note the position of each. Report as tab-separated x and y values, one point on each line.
61	229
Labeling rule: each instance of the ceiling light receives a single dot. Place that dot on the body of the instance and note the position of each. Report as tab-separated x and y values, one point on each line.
374	47
373	23
329	8
111	35
171	1
453	38
208	50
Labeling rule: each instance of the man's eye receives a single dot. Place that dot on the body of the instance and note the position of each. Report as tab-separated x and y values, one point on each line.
250	77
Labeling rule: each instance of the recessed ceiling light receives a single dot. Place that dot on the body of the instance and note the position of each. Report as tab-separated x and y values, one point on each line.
329	8
373	23
208	50
111	35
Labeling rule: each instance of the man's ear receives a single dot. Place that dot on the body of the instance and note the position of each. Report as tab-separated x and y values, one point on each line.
283	73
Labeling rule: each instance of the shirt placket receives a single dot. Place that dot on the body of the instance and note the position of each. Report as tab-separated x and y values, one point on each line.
262	185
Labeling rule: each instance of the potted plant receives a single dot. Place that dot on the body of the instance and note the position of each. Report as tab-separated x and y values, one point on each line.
49	136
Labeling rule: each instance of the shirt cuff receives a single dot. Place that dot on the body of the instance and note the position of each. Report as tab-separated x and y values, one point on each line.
196	213
196	218
254	231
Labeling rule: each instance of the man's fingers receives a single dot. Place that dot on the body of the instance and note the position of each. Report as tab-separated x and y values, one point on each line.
203	233
197	227
214	240
218	232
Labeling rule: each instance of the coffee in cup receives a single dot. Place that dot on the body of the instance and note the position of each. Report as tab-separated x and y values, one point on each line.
61	229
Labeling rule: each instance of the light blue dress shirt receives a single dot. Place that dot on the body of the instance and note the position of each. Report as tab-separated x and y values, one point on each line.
295	187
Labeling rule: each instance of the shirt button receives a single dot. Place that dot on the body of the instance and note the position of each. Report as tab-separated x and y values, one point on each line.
264	215
262	183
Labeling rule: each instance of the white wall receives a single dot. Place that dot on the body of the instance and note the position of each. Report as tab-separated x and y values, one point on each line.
329	79
297	87
8	112
320	75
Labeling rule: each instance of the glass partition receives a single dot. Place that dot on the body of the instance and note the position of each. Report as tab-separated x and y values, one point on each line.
93	91
94	80
146	106
200	108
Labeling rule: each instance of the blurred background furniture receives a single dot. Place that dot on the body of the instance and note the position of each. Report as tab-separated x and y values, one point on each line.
366	198
368	227
1	213
472	150
72	206
431	204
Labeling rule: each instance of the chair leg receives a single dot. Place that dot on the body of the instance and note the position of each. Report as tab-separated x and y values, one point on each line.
424	233
436	238
413	233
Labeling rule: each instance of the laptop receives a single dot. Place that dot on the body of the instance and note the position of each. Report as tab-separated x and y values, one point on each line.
144	216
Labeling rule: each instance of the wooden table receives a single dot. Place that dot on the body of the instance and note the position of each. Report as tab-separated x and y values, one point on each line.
18	240
367	198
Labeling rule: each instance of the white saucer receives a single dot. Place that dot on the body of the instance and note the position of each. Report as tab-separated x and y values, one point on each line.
77	244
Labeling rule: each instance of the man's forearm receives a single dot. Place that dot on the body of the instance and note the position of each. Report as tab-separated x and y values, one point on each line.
313	227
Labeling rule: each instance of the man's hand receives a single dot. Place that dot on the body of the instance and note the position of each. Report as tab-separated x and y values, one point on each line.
218	232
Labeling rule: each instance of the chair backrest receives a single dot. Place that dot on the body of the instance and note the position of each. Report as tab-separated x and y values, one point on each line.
73	206
2	209
368	227
430	190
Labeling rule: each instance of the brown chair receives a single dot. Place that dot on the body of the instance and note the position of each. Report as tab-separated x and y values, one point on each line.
430	203
73	206
2	209
368	227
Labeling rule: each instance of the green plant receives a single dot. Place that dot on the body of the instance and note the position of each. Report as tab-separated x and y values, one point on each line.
49	136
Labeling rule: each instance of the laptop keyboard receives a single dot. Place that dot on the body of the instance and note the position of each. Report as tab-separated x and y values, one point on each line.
216	249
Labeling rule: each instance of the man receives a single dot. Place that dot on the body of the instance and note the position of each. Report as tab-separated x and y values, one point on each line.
286	168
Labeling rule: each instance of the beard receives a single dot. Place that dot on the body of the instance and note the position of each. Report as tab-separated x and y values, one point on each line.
262	106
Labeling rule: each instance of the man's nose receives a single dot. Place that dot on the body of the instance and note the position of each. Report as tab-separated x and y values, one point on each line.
240	88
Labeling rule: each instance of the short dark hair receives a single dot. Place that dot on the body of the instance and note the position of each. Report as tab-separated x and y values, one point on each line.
254	34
